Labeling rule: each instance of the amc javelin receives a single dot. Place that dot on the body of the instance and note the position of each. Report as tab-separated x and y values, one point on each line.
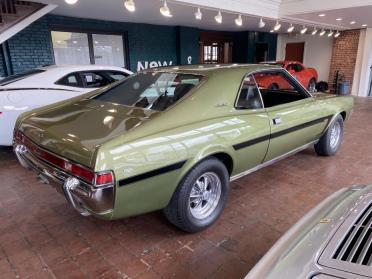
173	139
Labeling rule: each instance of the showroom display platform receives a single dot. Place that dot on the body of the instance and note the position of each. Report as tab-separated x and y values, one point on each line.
41	237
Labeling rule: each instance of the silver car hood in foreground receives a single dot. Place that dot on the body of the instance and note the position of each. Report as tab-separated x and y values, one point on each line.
324	243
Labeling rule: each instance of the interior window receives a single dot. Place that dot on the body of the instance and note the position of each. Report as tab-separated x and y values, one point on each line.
249	95
70	80
278	88
94	80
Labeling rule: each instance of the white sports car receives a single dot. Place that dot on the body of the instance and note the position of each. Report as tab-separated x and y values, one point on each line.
47	85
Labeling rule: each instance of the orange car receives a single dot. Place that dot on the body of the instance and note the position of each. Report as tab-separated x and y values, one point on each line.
308	77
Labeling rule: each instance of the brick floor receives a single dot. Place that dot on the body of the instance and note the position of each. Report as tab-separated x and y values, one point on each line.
42	237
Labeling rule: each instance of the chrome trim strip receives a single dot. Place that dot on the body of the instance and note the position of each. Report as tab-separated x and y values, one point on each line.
268	163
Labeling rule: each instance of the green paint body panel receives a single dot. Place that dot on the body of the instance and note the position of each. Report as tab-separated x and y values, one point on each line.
133	141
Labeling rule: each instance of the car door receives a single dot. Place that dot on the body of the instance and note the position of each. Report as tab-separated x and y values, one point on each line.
252	140
295	118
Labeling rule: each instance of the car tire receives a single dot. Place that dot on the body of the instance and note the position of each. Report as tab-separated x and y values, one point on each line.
312	86
331	140
200	197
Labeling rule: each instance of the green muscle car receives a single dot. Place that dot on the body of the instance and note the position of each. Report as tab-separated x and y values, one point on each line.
173	139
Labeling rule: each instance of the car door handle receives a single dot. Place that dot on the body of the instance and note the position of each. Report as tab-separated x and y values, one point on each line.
277	120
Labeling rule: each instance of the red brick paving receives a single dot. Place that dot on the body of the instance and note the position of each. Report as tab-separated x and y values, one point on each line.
42	237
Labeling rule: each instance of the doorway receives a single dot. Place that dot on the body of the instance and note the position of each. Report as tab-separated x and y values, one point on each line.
261	53
215	48
295	52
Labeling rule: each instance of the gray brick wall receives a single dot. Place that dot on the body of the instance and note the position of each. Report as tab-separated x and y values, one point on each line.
31	47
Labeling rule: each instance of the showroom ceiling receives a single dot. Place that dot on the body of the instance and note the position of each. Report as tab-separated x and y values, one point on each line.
296	11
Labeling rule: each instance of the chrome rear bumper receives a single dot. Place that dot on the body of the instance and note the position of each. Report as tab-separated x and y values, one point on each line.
85	198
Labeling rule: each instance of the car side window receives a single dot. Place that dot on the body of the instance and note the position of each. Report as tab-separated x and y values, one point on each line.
116	76
249	95
94	79
297	68
70	80
277	88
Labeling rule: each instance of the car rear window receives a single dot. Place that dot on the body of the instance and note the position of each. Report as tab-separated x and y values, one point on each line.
151	90
18	77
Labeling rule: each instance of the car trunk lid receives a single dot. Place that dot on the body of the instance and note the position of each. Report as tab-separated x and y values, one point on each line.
75	131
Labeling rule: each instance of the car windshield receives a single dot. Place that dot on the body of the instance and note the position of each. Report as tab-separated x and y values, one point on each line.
18	77
151	90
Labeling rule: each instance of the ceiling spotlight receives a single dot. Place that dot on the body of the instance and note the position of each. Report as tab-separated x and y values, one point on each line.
322	33
198	14
272	31
218	17
352	22
330	33
277	26
129	5
339	19
71	2
303	30
364	25
239	20
314	31
321	15
261	24
291	28
165	10
337	34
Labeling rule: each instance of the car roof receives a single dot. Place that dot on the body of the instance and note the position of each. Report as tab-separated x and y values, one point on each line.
208	69
52	73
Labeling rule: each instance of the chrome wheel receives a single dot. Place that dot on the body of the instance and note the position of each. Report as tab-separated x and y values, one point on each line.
335	135
205	195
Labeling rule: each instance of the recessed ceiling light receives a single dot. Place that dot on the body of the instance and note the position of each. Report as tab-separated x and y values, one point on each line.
321	15
218	17
277	26
291	28
71	2
271	31
352	22
364	25
198	14
303	30
129	5
239	21
339	19
165	10
261	24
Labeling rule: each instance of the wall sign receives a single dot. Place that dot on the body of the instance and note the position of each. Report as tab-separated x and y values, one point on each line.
143	65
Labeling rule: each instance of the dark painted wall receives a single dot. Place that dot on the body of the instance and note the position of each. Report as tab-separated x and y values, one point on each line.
146	43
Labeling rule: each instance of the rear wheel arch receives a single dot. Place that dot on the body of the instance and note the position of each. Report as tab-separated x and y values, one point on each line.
343	114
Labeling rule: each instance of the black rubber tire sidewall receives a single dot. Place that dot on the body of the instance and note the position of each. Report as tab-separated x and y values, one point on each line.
178	210
323	147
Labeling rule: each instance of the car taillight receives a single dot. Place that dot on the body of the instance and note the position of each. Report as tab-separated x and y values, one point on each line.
89	176
105	178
